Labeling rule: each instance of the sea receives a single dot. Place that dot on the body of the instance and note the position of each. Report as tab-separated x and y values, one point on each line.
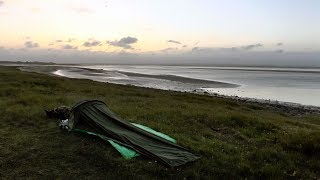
293	85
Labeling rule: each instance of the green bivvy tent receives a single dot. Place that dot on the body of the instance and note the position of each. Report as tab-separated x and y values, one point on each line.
94	118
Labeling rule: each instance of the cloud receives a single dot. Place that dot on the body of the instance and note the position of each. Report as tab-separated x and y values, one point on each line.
279	51
184	46
168	50
91	43
198	49
209	50
217	57
252	46
279	44
125	53
231	48
71	40
173	41
125	42
239	48
195	49
1	3
67	46
58	41
30	44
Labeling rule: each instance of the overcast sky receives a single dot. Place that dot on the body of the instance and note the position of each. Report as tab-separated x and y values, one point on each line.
167	31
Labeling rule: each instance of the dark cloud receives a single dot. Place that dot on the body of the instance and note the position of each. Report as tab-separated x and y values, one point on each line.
208	50
279	51
67	46
125	43
230	49
184	46
209	56
201	49
125	53
279	44
91	43
1	3
239	48
168	50
61	41
195	49
30	44
252	46
173	41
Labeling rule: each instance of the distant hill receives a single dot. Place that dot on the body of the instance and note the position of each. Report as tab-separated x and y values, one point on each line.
27	62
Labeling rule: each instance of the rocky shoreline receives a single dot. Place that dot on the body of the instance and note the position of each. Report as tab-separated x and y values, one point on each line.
288	108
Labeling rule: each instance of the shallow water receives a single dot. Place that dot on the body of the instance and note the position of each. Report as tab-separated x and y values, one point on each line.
282	84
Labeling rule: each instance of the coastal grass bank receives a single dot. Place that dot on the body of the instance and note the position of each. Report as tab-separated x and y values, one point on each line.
234	139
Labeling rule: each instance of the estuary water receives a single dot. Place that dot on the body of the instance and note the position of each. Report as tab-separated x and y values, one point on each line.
296	85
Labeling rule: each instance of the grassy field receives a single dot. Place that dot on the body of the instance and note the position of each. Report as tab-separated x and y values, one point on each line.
234	139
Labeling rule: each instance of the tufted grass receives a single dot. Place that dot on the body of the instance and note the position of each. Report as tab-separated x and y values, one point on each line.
235	140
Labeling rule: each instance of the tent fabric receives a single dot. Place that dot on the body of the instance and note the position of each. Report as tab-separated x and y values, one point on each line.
127	153
111	127
155	132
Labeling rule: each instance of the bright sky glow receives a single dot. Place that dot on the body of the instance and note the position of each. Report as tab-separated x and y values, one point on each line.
107	26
